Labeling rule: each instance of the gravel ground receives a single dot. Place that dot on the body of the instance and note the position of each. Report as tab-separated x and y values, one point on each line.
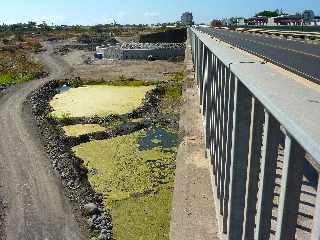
2	218
113	69
36	207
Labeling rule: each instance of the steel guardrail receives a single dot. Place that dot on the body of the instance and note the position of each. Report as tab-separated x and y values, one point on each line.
256	118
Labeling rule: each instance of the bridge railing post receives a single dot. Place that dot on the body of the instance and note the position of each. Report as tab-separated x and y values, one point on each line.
255	146
239	160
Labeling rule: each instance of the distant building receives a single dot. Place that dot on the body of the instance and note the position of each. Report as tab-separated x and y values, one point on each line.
187	18
271	21
233	21
257	21
308	17
289	20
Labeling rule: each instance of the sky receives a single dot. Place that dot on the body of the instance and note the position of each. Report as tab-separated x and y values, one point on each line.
91	12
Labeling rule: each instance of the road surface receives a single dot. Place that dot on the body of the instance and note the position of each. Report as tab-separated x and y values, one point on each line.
36	207
296	56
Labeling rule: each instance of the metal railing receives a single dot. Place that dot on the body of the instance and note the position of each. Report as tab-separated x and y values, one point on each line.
263	137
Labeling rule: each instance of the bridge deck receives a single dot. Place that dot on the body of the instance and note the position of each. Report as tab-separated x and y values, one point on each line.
296	56
193	213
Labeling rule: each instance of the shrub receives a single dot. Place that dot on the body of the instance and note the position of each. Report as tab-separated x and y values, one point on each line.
75	83
6	79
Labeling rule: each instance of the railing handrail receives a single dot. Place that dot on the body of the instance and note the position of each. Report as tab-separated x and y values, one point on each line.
294	104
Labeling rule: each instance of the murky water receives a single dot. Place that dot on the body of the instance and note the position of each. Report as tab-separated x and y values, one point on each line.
63	88
157	137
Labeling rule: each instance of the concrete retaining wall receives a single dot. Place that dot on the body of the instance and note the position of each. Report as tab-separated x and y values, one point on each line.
123	54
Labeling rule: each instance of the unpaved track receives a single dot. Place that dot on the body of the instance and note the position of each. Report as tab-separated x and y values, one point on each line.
36	207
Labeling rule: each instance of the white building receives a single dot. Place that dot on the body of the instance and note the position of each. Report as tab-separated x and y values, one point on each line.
271	22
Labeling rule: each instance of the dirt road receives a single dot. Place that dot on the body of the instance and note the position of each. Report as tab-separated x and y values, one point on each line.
36	207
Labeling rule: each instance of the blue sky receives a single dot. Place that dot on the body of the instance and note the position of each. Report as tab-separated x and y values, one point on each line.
90	12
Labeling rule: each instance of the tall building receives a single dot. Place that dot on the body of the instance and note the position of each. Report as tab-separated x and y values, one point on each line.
308	15
187	18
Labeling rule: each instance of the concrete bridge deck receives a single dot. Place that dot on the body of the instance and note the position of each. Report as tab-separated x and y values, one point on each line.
193	213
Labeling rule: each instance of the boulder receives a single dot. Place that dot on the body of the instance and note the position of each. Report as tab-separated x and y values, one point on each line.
90	209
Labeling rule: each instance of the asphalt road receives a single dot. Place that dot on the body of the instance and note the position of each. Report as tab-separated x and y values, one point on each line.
296	56
36	207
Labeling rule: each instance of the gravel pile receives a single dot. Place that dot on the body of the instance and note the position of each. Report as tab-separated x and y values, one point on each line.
3	87
61	50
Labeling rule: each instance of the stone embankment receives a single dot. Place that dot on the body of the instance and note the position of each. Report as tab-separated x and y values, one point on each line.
73	175
3	87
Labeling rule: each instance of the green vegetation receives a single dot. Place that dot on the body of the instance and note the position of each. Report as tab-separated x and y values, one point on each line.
145	218
174	89
16	68
81	129
63	118
75	83
131	82
6	79
267	13
128	82
99	100
135	173
94	233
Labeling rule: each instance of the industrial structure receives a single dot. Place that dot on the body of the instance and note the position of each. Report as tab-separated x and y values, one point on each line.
142	51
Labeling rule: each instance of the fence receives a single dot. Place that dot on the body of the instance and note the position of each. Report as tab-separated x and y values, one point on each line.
263	139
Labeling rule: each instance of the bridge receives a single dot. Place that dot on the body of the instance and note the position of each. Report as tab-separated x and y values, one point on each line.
296	56
262	138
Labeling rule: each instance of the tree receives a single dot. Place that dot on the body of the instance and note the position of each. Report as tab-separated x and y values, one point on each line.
267	13
44	27
216	23
31	25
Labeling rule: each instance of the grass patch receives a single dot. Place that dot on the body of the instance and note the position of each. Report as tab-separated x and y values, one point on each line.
174	88
135	173
63	117
81	129
132	83
178	77
94	233
121	82
6	79
75	83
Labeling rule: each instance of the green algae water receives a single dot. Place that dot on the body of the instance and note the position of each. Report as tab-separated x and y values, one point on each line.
80	129
135	173
98	100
